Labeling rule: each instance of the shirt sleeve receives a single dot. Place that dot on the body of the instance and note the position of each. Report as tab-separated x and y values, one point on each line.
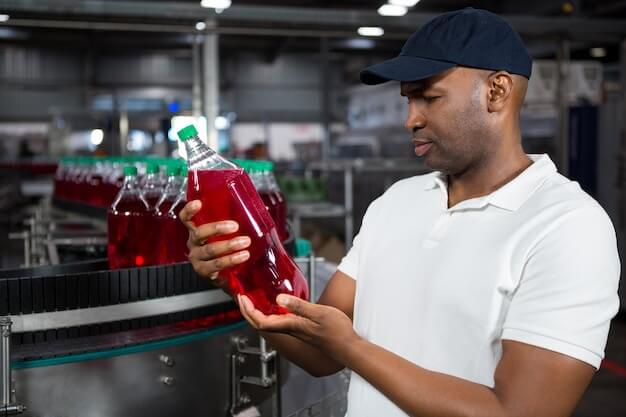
349	265
567	294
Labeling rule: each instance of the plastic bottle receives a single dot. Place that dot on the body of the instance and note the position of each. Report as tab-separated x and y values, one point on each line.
126	231
281	201
178	245
95	181
257	176
152	186
169	244
60	177
227	193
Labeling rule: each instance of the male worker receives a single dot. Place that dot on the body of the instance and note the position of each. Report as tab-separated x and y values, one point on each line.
482	289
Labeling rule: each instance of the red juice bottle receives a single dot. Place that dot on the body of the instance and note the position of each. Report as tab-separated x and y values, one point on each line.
151	189
152	186
227	193
60	182
281	202
165	215
177	245
95	184
255	170
126	231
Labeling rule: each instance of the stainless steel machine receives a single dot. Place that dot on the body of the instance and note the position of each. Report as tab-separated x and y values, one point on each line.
82	340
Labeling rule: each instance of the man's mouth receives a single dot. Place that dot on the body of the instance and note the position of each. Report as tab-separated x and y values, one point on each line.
422	146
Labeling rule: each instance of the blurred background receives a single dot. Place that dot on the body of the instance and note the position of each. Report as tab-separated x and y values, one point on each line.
278	80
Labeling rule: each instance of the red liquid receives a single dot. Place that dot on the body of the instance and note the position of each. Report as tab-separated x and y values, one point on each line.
230	195
281	215
127	231
269	199
96	194
172	234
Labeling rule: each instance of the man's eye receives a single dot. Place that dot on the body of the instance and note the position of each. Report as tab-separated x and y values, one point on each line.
430	99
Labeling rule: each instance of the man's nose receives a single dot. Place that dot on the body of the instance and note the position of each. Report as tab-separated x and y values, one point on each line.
415	120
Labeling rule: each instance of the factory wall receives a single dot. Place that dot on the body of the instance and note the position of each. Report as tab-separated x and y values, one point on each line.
40	82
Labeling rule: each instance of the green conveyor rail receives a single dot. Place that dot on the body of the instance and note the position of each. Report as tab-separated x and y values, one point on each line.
128	350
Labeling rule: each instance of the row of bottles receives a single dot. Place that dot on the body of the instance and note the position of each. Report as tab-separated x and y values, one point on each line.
262	176
142	221
143	224
228	193
96	181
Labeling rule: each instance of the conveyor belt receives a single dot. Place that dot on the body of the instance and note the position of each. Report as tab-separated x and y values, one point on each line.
33	292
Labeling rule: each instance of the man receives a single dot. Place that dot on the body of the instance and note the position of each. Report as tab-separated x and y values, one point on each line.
482	289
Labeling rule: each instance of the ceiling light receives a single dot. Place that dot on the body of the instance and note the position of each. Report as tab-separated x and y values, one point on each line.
391	10
404	3
4	17
97	136
370	31
597	52
216	4
200	26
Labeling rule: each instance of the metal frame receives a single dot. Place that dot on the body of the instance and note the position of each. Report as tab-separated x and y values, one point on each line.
327	209
7	405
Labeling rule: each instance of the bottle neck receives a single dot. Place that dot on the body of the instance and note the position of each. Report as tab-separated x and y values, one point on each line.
152	179
130	182
200	156
173	185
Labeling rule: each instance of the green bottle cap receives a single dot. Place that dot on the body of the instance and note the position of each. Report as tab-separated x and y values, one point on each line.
173	170
187	133
153	168
130	171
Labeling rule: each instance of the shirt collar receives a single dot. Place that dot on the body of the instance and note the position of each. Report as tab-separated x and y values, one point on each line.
514	193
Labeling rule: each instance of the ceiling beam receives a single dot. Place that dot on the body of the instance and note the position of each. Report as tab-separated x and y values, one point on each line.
327	19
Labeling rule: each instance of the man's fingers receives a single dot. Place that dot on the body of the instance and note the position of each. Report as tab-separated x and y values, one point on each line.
208	268
187	212
213	250
283	323
201	233
298	306
244	312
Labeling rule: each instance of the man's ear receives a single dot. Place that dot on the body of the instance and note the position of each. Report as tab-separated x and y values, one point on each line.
500	87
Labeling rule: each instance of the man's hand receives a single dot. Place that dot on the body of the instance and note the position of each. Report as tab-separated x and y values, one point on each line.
325	327
208	259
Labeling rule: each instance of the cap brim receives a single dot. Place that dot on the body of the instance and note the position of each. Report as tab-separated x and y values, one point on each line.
403	68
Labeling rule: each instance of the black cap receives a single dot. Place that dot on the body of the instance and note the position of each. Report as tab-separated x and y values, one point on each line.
469	37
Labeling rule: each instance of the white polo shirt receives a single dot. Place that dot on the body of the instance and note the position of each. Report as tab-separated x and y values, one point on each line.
535	261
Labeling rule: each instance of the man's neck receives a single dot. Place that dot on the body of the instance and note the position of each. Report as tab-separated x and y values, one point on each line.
487	178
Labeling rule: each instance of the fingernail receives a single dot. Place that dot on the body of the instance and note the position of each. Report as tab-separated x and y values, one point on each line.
195	205
283	300
240	256
227	227
240	242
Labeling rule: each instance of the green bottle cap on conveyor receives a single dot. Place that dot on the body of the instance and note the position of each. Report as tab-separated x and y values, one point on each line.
130	171
187	133
172	170
153	168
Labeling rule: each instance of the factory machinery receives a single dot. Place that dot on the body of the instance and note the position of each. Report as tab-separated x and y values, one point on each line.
79	339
